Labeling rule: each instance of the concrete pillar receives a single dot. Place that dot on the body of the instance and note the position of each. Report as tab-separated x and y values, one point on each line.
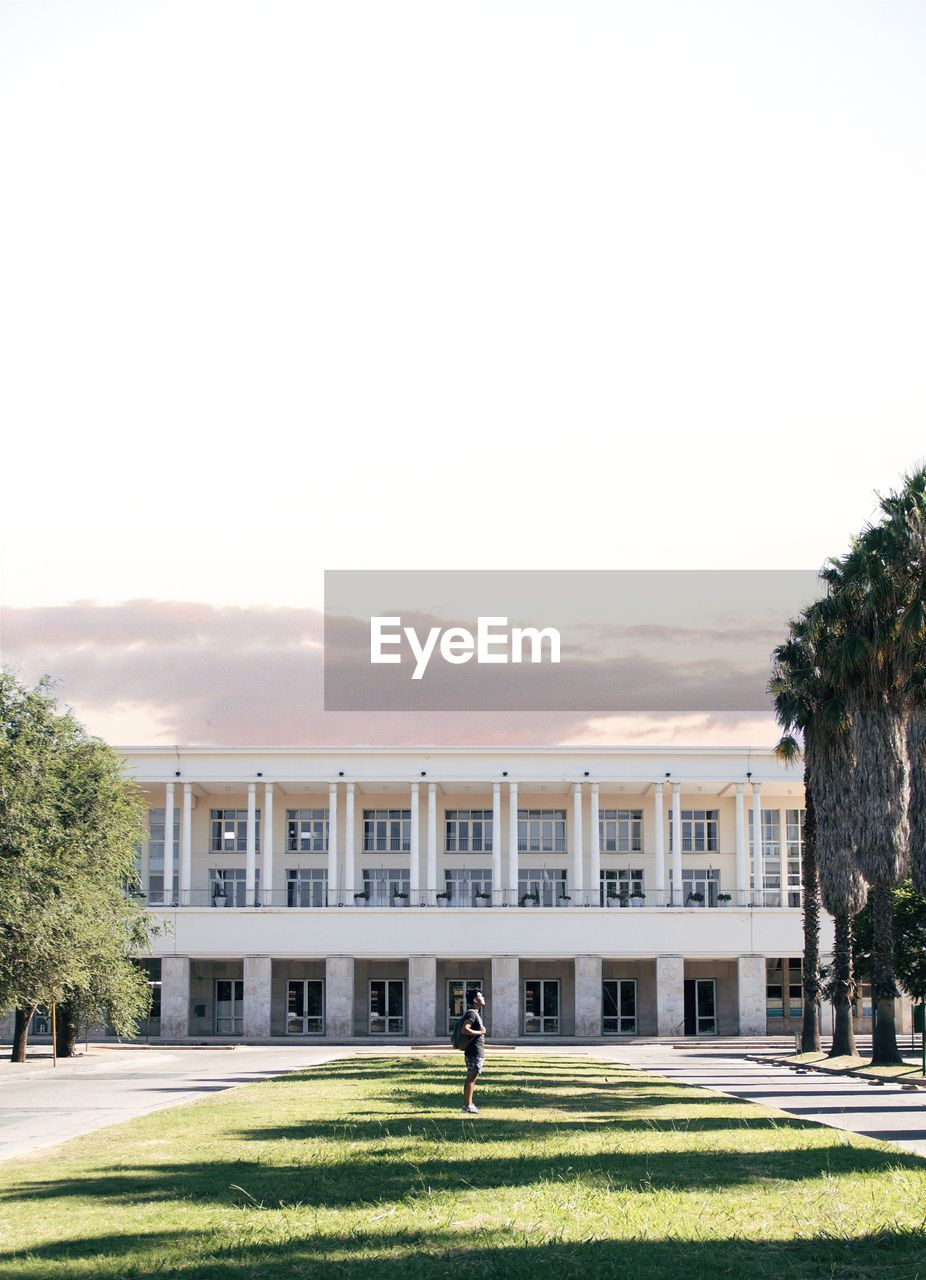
257	997
350	839
175	998
750	995
659	846
742	862
670	995
497	895
339	997
250	851
758	862
422	997
678	892
594	856
506	990
169	843
414	849
186	846
588	997
432	885
578	878
511	896
266	879
333	844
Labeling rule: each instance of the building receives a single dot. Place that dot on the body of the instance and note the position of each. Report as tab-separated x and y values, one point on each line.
354	893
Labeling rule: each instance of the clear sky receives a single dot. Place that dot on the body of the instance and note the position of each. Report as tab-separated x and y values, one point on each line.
288	286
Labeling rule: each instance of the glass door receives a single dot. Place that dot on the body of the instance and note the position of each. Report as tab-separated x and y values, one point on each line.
229	1006
541	1007
619	1007
387	1007
305	1007
705	1007
456	998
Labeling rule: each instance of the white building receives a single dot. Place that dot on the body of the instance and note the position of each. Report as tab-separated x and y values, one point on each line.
354	893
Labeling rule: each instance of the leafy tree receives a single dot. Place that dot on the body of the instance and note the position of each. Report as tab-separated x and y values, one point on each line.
69	824
909	913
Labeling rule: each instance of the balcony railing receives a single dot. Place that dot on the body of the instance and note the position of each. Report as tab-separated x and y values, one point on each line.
314	896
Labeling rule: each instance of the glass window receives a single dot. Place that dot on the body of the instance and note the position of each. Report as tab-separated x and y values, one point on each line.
784	995
541	886
229	830
305	1007
229	1006
700	886
699	830
456	997
794	844
387	1007
306	830
307	887
468	830
542	830
462	886
619	1006
620	830
623	884
156	855
387	830
228	886
541	1007
383	885
771	856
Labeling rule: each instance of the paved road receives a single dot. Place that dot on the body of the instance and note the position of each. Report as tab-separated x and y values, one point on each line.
885	1112
42	1105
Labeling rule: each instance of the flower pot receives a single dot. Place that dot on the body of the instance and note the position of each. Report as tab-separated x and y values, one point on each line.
399	902
613	902
636	901
220	900
443	902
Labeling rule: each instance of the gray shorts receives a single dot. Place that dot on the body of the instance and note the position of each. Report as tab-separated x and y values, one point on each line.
475	1061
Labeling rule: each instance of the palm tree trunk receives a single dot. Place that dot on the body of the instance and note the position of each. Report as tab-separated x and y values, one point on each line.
810	970
842	988
883	988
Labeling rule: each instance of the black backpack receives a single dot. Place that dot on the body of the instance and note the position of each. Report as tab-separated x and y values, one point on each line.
457	1037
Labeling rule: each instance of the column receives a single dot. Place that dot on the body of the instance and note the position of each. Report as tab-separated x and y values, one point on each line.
333	845
432	842
594	861
670	995
186	846
506	985
742	862
758	882
750	995
678	893
339	997
588	997
350	815
266	870
257	970
578	878
250	852
497	895
511	896
169	844
659	832
422	997
414	851
175	997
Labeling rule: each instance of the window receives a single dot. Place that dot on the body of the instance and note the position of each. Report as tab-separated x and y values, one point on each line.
699	830
771	856
621	884
541	1007
542	830
463	885
703	881
547	886
794	845
456	997
619	1006
784	996
387	1007
468	830
229	1006
156	856
229	883
229	830
387	830
306	830
307	887
305	1007
620	830
382	885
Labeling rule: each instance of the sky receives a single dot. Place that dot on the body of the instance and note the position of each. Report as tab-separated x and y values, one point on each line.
295	287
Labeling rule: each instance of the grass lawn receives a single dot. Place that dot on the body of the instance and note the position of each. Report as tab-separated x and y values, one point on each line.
575	1168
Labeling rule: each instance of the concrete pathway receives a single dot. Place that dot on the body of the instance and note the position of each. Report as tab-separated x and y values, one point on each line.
42	1105
886	1112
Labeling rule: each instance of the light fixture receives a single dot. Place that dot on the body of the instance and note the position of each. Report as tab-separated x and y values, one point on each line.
259	774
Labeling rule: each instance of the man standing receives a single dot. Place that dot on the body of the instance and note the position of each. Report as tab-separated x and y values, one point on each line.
473	1032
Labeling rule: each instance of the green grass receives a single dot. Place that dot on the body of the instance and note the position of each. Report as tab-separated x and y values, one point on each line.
847	1065
363	1167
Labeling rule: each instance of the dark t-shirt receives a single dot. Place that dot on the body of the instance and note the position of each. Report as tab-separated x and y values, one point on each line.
474	1044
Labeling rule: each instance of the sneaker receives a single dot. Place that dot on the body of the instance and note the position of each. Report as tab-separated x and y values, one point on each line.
471	1110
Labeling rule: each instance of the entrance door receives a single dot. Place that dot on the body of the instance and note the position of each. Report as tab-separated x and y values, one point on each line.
229	1006
456	998
305	1007
387	1007
541	1007
700	1007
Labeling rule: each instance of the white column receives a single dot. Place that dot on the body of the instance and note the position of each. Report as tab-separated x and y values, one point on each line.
414	850
750	995
512	886
257	987
497	842
578	878
339	997
504	1018
594	861
186	846
588	997
742	867
266	873
422	997
169	843
757	859
670	995
175	997
432	842
333	845
350	815
250	850
678	896
659	832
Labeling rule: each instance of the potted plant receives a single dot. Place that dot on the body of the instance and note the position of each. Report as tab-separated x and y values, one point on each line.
624	897
611	897
219	896
724	898
696	898
361	898
399	898
637	898
530	899
564	898
482	899
443	898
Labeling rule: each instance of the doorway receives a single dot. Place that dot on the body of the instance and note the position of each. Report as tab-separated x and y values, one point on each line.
700	1007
